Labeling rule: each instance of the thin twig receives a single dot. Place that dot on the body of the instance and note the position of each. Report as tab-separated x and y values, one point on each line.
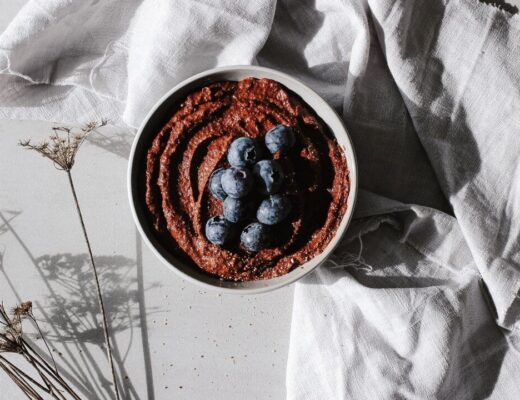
24	386
42	363
31	317
18	371
98	286
12	341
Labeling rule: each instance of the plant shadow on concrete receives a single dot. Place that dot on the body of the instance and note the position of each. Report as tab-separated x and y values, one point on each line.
70	319
72	310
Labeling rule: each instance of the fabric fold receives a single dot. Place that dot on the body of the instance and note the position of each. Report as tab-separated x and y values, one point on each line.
61	53
459	81
399	312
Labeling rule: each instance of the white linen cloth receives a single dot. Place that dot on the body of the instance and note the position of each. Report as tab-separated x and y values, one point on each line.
421	300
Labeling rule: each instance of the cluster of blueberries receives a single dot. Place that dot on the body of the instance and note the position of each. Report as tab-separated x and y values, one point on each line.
234	186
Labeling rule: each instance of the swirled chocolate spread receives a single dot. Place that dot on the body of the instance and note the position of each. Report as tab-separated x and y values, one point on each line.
194	143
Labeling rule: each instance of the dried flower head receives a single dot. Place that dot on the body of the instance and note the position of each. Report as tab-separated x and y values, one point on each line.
23	309
11	328
62	146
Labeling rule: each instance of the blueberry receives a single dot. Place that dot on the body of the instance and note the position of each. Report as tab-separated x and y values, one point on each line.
274	209
218	230
237	182
215	184
280	138
243	152
268	175
255	237
236	210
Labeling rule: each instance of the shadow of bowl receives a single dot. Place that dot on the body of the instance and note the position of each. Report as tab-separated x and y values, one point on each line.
156	119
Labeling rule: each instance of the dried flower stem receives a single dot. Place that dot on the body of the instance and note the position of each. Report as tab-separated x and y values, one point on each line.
62	150
98	286
13	341
31	317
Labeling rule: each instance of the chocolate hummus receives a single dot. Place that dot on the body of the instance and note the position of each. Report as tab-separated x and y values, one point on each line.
194	142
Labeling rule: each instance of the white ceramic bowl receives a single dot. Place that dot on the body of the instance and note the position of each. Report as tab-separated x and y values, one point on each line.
160	114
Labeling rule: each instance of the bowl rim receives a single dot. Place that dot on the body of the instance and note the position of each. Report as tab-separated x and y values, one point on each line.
299	272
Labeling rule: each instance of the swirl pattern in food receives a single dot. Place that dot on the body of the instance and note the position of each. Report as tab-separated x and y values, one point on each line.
193	144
